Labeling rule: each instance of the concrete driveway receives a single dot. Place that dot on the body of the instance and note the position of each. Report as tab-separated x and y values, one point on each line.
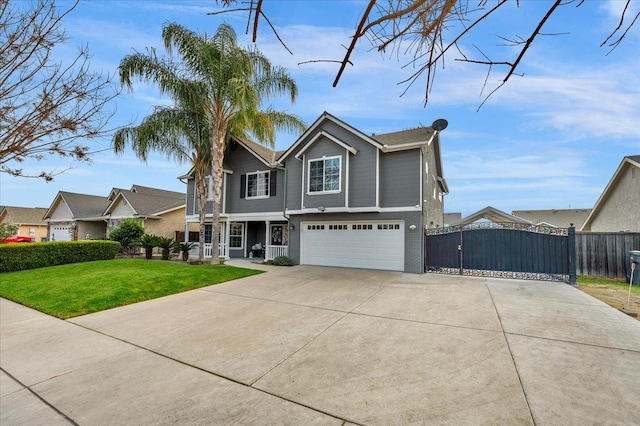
312	345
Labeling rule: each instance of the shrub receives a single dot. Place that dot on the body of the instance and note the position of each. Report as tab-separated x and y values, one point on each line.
128	234
148	242
282	261
7	230
166	244
18	257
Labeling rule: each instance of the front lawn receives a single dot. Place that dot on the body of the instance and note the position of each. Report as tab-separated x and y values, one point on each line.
67	291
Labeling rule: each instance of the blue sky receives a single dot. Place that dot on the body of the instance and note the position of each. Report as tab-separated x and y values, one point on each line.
549	139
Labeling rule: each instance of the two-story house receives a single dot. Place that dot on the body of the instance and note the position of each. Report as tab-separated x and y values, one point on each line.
336	197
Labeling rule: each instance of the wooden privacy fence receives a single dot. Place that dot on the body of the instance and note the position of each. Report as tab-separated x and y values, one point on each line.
605	254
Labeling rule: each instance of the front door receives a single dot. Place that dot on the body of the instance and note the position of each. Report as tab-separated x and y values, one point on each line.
279	235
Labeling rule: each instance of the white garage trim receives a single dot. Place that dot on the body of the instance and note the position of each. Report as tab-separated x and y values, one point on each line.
353	244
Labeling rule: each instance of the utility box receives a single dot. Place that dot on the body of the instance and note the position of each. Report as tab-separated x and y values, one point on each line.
634	267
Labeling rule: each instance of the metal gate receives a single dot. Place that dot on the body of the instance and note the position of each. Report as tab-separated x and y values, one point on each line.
508	250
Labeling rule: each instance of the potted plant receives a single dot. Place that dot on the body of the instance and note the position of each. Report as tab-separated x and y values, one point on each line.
184	248
148	242
166	244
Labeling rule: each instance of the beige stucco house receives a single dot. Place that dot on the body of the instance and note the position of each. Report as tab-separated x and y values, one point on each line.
160	212
558	218
28	220
618	208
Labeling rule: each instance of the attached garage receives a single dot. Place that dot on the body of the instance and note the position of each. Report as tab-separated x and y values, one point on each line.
353	244
61	233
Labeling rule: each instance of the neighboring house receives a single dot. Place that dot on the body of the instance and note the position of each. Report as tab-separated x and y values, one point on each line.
160	212
557	218
491	214
336	197
451	219
27	219
74	216
618	208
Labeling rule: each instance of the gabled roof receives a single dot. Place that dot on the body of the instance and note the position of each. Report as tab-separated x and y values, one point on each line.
328	136
156	192
148	201
628	161
494	215
387	142
24	215
316	124
81	205
264	154
261	152
404	138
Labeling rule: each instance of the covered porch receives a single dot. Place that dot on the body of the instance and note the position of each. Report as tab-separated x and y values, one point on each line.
245	237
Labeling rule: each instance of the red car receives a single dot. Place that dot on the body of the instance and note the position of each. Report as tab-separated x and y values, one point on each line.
18	239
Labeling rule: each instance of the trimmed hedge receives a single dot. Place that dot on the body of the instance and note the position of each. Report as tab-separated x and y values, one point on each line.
21	256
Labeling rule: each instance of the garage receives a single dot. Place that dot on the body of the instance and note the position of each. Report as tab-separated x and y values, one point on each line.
61	233
353	244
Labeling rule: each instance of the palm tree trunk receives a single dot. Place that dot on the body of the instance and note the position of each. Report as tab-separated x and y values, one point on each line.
201	189
217	158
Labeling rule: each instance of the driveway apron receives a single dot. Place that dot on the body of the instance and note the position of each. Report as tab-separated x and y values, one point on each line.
314	345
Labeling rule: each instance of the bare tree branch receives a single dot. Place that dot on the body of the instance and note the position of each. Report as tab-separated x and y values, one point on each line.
425	25
46	107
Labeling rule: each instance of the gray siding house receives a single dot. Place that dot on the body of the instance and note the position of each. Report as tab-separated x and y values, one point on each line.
336	197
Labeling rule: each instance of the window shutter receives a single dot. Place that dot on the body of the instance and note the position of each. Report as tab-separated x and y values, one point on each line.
272	183
243	186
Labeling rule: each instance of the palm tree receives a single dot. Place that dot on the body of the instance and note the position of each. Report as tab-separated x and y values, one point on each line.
233	82
178	132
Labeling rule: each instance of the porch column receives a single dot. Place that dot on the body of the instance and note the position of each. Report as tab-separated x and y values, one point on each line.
227	231
267	240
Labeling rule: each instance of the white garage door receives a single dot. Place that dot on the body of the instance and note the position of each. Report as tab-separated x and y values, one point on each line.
61	233
369	245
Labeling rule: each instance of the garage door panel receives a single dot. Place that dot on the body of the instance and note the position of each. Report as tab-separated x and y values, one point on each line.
371	245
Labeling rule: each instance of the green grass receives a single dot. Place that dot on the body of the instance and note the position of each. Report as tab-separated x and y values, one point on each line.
67	291
608	282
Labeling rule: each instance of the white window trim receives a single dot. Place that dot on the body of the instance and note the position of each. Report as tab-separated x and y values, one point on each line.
333	191
242	235
258	197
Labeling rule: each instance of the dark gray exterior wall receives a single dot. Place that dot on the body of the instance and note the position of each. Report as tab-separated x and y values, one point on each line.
324	148
413	244
192	200
191	195
400	178
243	162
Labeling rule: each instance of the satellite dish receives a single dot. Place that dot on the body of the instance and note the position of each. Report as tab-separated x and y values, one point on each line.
440	124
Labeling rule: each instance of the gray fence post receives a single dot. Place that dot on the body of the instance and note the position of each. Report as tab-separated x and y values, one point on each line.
572	254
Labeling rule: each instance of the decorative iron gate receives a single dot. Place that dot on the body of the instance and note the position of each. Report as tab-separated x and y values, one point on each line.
508	250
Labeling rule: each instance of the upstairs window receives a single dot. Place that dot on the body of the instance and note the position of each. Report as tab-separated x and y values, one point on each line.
324	175
258	185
